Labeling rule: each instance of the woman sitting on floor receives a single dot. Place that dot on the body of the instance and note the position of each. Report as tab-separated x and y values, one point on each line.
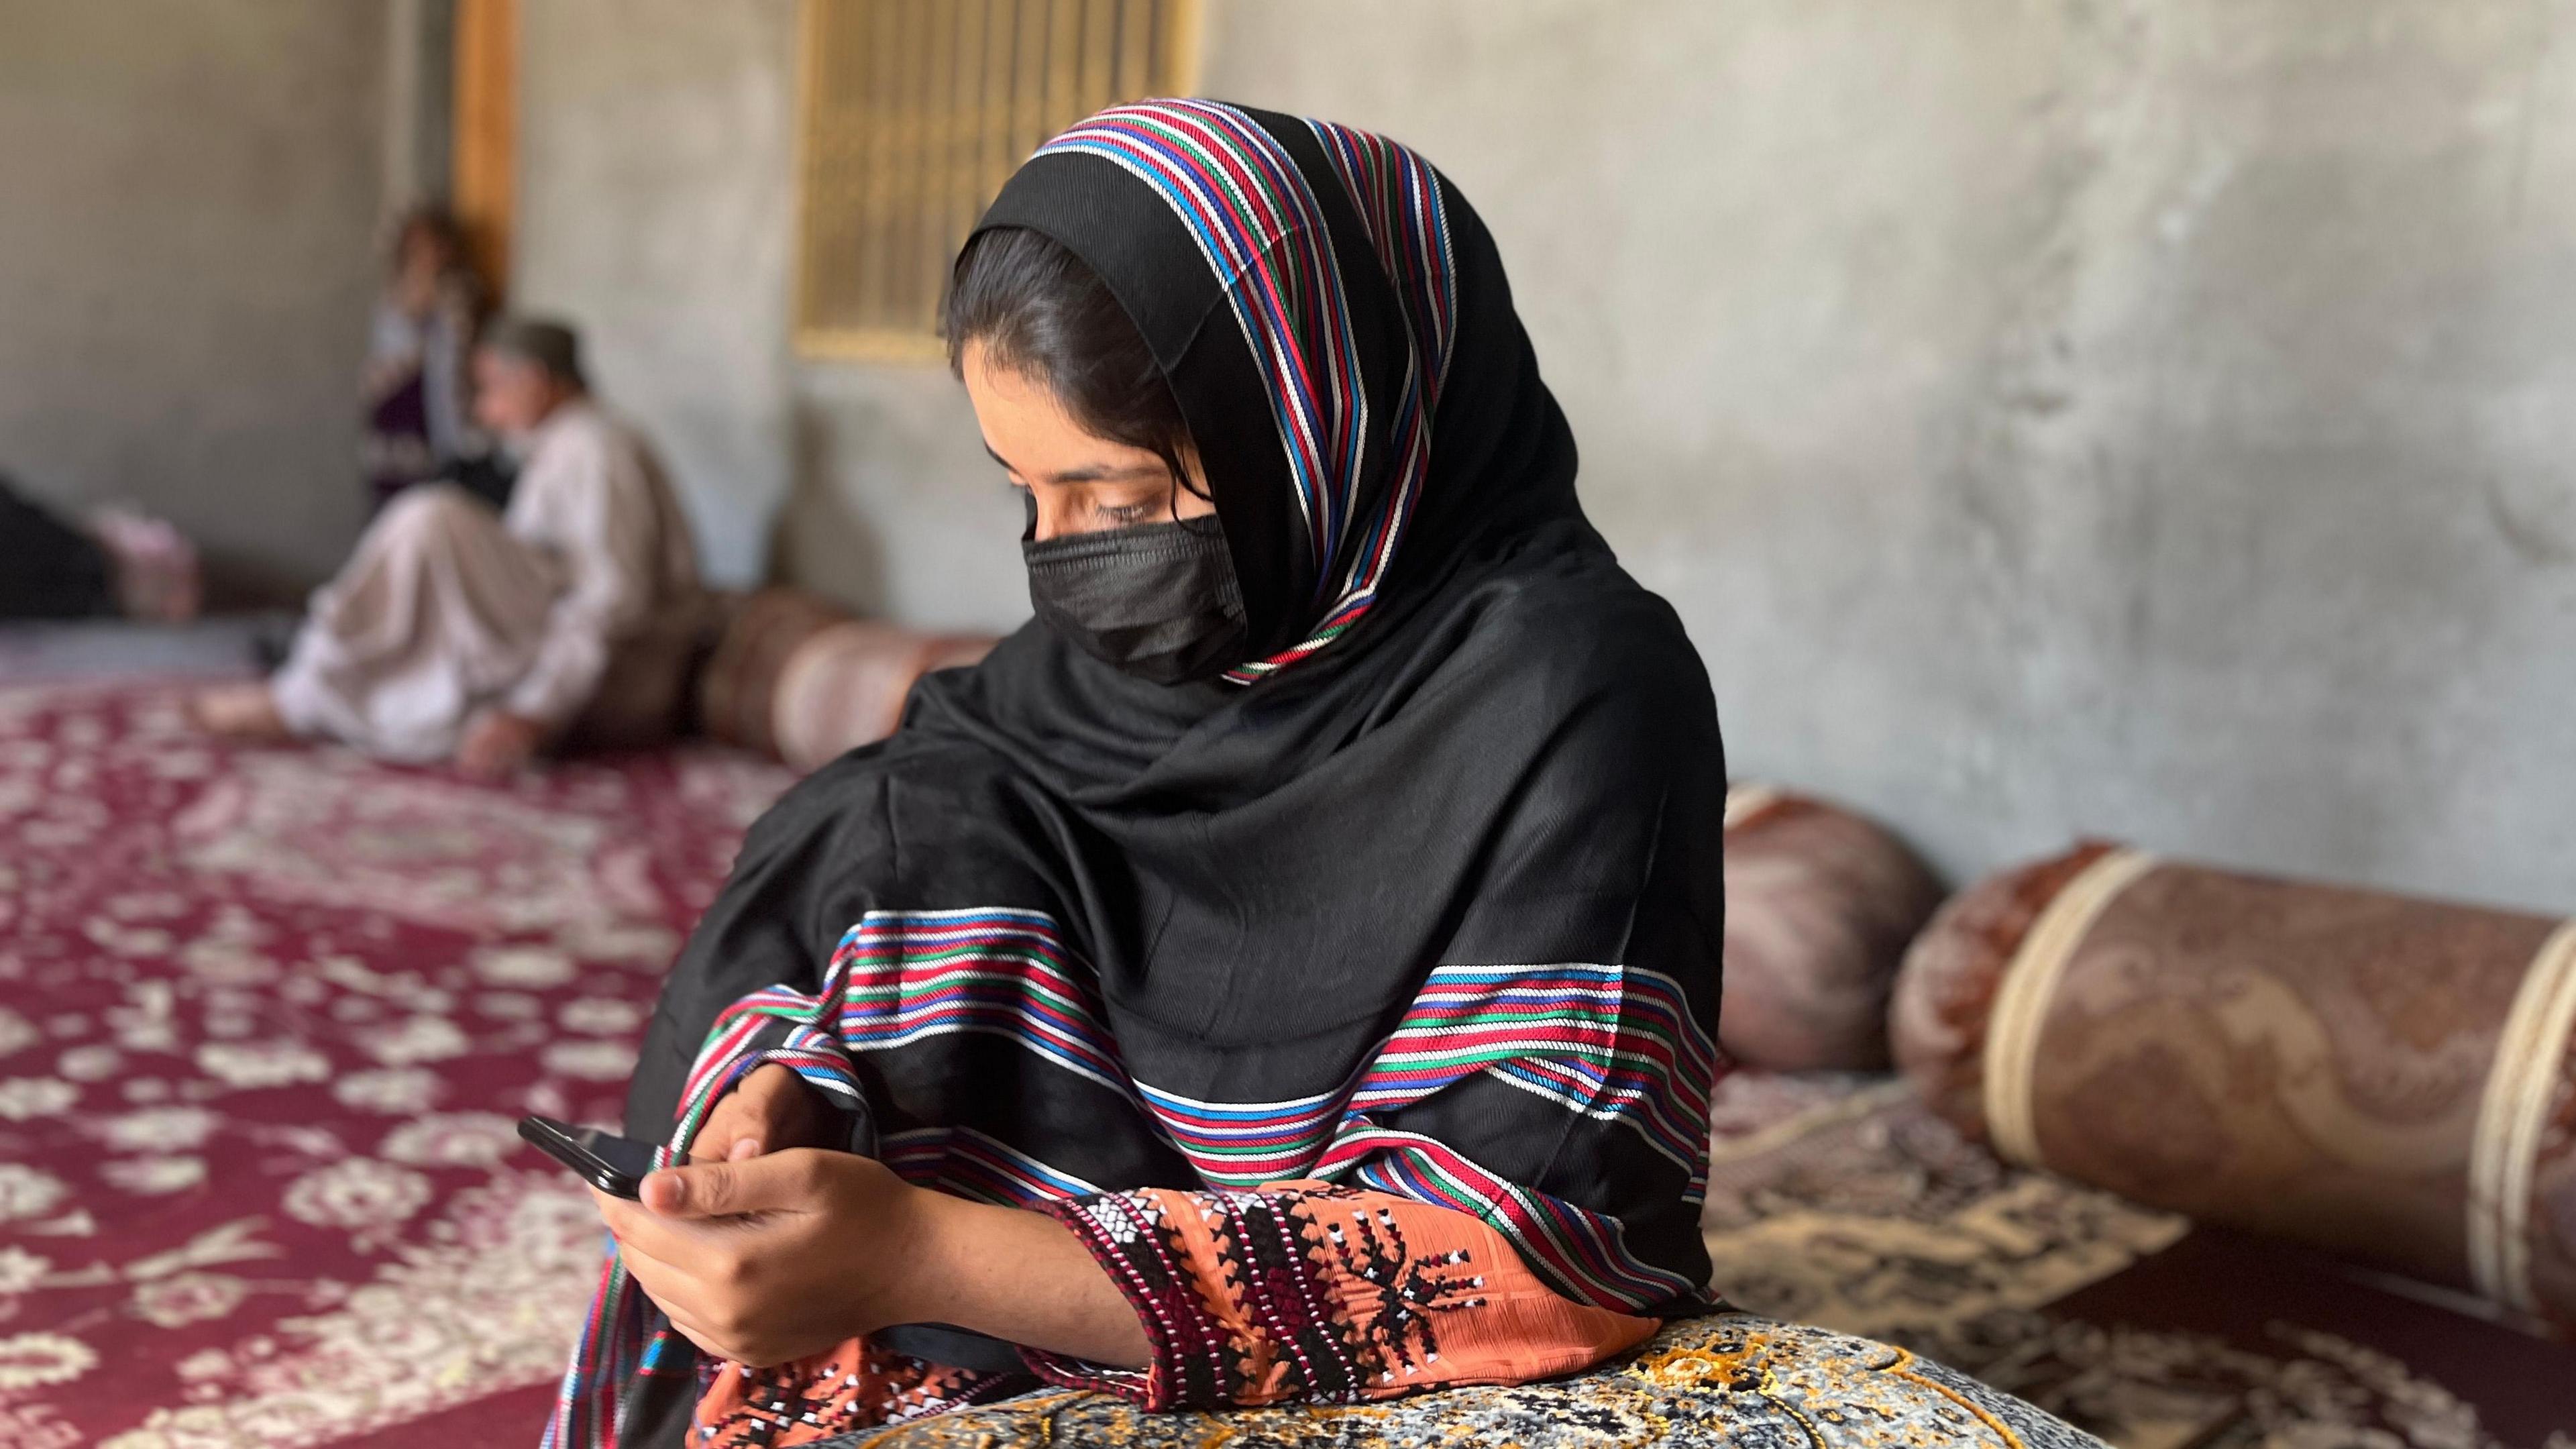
458	631
417	383
1286	970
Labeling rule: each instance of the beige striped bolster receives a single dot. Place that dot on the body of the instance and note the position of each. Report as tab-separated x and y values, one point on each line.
2512	1114
1743	802
2023	996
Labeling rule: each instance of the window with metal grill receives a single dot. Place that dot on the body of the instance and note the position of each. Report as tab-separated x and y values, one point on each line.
916	111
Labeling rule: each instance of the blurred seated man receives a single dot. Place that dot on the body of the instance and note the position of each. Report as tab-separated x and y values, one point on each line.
459	632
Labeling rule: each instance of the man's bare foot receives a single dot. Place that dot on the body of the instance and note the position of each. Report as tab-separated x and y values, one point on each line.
498	744
239	712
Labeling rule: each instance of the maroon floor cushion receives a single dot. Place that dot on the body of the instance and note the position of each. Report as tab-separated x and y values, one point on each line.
2382	1077
797	678
1820	903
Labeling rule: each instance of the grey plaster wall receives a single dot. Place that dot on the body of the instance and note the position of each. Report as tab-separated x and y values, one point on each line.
656	209
189	198
897	510
2147	417
2141	417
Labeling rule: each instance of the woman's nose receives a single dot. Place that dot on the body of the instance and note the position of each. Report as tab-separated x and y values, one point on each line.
1048	517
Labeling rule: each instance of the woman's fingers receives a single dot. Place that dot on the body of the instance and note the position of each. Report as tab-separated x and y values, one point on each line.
702	1276
771	1108
686	1279
687	1266
731	1124
777	1182
627	1222
668	1286
676	1294
773	1256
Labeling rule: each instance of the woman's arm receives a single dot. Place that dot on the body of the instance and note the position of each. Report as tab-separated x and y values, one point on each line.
776	1257
1295	1291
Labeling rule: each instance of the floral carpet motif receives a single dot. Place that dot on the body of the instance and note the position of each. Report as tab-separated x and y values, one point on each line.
1845	1202
267	1018
267	1021
1727	1381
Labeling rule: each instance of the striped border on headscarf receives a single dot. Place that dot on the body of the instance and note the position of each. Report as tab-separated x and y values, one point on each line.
1581	1253
1616	1044
1260	228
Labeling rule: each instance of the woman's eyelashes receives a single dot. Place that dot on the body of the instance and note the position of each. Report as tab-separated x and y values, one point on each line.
1100	513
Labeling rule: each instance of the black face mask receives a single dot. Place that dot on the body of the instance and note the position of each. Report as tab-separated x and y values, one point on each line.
1158	600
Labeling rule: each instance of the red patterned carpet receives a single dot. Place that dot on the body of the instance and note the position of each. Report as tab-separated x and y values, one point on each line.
267	1019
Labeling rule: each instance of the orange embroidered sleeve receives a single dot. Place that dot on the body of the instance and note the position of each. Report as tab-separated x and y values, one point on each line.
1309	1291
855	1385
1293	1291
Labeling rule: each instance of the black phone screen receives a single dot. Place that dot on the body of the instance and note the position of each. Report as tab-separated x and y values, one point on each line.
613	1164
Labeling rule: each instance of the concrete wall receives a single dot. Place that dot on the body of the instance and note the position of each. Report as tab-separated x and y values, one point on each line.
656	209
189	197
2127	416
2146	417
897	509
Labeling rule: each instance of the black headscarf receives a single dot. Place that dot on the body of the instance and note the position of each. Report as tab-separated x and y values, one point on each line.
1467	749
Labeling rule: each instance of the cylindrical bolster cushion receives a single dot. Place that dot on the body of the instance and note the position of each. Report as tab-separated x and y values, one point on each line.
1819	906
2383	1077
738	685
846	684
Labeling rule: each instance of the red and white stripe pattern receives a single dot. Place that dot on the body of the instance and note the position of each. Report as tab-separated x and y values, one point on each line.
1617	1044
1584	1254
969	1164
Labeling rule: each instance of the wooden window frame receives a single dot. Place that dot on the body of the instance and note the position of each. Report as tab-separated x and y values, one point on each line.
483	175
1180	38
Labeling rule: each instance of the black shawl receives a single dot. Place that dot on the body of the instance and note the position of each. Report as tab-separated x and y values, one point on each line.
1424	897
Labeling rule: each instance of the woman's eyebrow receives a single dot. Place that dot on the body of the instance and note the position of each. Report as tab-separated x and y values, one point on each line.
1102	473
1096	473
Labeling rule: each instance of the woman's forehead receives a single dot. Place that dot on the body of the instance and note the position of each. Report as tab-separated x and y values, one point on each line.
1029	431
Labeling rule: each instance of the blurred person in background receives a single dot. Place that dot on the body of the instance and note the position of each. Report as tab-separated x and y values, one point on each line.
418	386
458	631
117	562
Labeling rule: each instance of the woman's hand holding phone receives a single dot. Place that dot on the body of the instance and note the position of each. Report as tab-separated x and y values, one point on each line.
771	1244
735	1245
770	1110
775	1256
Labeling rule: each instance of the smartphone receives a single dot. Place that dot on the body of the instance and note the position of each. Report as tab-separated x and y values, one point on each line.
617	1165
613	1164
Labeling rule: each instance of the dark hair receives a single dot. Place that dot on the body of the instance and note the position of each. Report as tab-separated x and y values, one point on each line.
1044	313
430	219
